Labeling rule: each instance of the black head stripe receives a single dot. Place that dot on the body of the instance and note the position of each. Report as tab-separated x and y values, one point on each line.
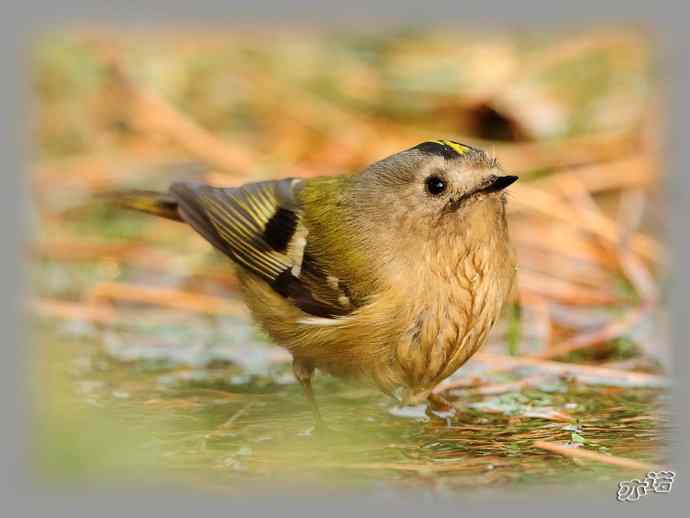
448	149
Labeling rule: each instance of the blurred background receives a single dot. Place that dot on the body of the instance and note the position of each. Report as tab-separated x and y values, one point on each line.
147	365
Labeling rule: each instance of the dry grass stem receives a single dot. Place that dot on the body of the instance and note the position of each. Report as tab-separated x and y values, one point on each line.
582	454
175	299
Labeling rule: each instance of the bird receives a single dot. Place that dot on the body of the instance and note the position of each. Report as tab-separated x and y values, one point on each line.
392	276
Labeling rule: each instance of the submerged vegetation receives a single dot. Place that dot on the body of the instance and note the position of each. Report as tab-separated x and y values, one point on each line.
146	361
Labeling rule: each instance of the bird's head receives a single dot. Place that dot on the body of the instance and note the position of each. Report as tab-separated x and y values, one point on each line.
435	185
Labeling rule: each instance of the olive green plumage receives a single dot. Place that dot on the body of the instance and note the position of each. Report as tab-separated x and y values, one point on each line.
394	275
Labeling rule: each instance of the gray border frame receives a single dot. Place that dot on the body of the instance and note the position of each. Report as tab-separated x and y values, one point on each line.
22	20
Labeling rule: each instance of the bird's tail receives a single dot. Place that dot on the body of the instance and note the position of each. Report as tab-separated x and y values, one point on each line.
151	202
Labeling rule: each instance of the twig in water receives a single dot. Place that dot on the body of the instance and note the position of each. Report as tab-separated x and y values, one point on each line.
440	467
579	453
234	417
584	373
489	390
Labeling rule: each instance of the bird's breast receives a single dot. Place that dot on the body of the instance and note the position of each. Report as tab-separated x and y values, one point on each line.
452	311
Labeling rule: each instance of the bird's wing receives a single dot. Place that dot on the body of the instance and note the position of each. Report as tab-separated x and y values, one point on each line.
259	226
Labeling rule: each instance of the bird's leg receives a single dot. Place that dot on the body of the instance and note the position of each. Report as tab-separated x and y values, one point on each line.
303	373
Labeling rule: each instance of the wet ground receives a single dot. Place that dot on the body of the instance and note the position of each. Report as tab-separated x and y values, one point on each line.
207	402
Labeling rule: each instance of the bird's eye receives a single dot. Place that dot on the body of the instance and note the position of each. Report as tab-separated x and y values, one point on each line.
435	185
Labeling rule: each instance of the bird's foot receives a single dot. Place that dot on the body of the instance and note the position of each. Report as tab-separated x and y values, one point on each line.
440	407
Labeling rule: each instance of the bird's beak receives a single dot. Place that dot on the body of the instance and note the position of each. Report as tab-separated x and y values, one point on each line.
494	184
498	183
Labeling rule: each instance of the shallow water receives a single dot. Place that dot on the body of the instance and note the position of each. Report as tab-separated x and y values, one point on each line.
117	403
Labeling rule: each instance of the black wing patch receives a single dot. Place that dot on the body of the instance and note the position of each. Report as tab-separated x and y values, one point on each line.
280	229
259	227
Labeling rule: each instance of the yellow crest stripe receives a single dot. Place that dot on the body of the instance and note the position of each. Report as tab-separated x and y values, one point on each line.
458	148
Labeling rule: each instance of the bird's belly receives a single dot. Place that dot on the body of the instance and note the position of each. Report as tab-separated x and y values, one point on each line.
424	361
405	343
448	331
